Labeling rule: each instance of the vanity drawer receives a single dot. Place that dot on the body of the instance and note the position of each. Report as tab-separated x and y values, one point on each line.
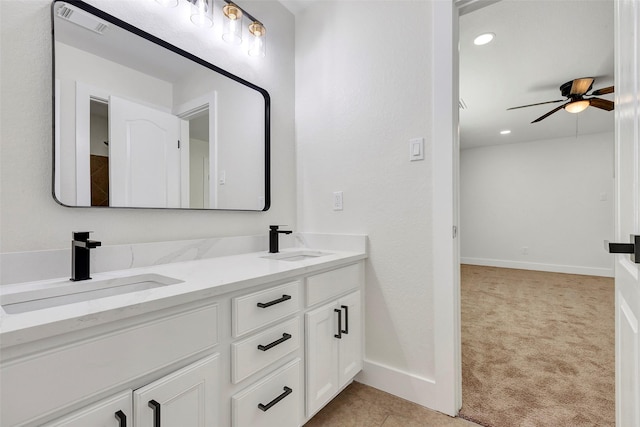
35	386
254	353
324	286
258	309
274	401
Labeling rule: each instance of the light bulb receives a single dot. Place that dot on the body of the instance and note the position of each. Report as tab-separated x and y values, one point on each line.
202	13
577	106
232	27
257	39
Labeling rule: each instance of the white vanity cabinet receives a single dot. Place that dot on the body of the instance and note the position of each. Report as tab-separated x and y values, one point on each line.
334	334
43	378
185	398
269	354
334	349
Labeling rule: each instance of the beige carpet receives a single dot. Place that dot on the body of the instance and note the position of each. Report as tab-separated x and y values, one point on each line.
537	348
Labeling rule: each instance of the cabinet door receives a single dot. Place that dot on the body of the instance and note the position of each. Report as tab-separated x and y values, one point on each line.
115	411
185	398
322	356
350	358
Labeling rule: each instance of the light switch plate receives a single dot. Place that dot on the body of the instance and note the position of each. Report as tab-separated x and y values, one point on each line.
416	149
337	201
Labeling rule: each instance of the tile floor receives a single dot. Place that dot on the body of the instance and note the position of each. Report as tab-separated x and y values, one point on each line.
363	406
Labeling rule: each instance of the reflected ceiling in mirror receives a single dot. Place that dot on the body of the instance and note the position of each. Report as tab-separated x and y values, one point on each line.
140	123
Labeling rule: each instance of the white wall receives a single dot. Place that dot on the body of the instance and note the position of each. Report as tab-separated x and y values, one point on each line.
363	84
29	217
543	195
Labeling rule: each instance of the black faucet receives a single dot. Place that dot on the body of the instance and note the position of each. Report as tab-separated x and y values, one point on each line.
273	237
80	246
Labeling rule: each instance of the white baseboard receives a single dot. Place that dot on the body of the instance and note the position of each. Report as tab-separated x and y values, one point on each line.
399	383
554	268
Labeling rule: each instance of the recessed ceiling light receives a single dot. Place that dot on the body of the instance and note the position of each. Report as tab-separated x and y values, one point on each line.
505	132
483	39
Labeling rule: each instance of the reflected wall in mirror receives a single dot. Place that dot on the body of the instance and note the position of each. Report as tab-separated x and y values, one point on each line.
140	123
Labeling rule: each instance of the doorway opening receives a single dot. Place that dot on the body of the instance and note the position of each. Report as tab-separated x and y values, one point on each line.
535	205
99	151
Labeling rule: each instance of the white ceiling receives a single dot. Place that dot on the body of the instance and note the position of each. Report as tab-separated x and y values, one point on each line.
539	45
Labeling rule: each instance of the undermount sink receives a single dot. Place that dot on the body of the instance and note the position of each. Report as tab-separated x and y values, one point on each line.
300	255
65	293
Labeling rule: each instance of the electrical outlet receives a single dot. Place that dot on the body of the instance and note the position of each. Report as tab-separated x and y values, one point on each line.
337	200
525	250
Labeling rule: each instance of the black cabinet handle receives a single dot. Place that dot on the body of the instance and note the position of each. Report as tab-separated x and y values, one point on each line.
265	408
285	337
274	302
339	334
122	419
346	320
156	412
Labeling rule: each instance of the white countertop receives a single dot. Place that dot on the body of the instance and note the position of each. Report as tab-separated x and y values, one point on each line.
200	279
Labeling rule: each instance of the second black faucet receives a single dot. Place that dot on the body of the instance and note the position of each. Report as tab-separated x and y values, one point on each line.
273	237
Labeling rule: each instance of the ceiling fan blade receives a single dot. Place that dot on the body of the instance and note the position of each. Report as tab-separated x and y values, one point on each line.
581	86
539	103
603	104
603	91
549	113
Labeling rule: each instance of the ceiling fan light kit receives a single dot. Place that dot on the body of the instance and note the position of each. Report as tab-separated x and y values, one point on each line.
577	106
575	91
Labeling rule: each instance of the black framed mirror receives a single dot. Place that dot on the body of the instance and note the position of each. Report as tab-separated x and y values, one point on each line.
140	123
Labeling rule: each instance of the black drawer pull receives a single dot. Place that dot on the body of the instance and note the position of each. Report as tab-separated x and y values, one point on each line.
156	412
346	319
265	408
339	334
274	302
285	337
122	419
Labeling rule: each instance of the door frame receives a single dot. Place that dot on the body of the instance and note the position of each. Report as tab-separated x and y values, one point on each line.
446	257
445	214
188	110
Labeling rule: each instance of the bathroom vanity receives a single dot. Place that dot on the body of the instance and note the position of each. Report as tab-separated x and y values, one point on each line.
245	341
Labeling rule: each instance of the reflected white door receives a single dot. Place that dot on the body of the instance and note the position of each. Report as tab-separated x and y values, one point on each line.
627	211
144	156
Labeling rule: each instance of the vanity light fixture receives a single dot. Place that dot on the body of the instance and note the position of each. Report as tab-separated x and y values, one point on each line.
202	16
505	132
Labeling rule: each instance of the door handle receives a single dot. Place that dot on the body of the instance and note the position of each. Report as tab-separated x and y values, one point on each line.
632	248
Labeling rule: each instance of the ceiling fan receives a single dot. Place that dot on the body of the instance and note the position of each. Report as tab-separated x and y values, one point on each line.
575	91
